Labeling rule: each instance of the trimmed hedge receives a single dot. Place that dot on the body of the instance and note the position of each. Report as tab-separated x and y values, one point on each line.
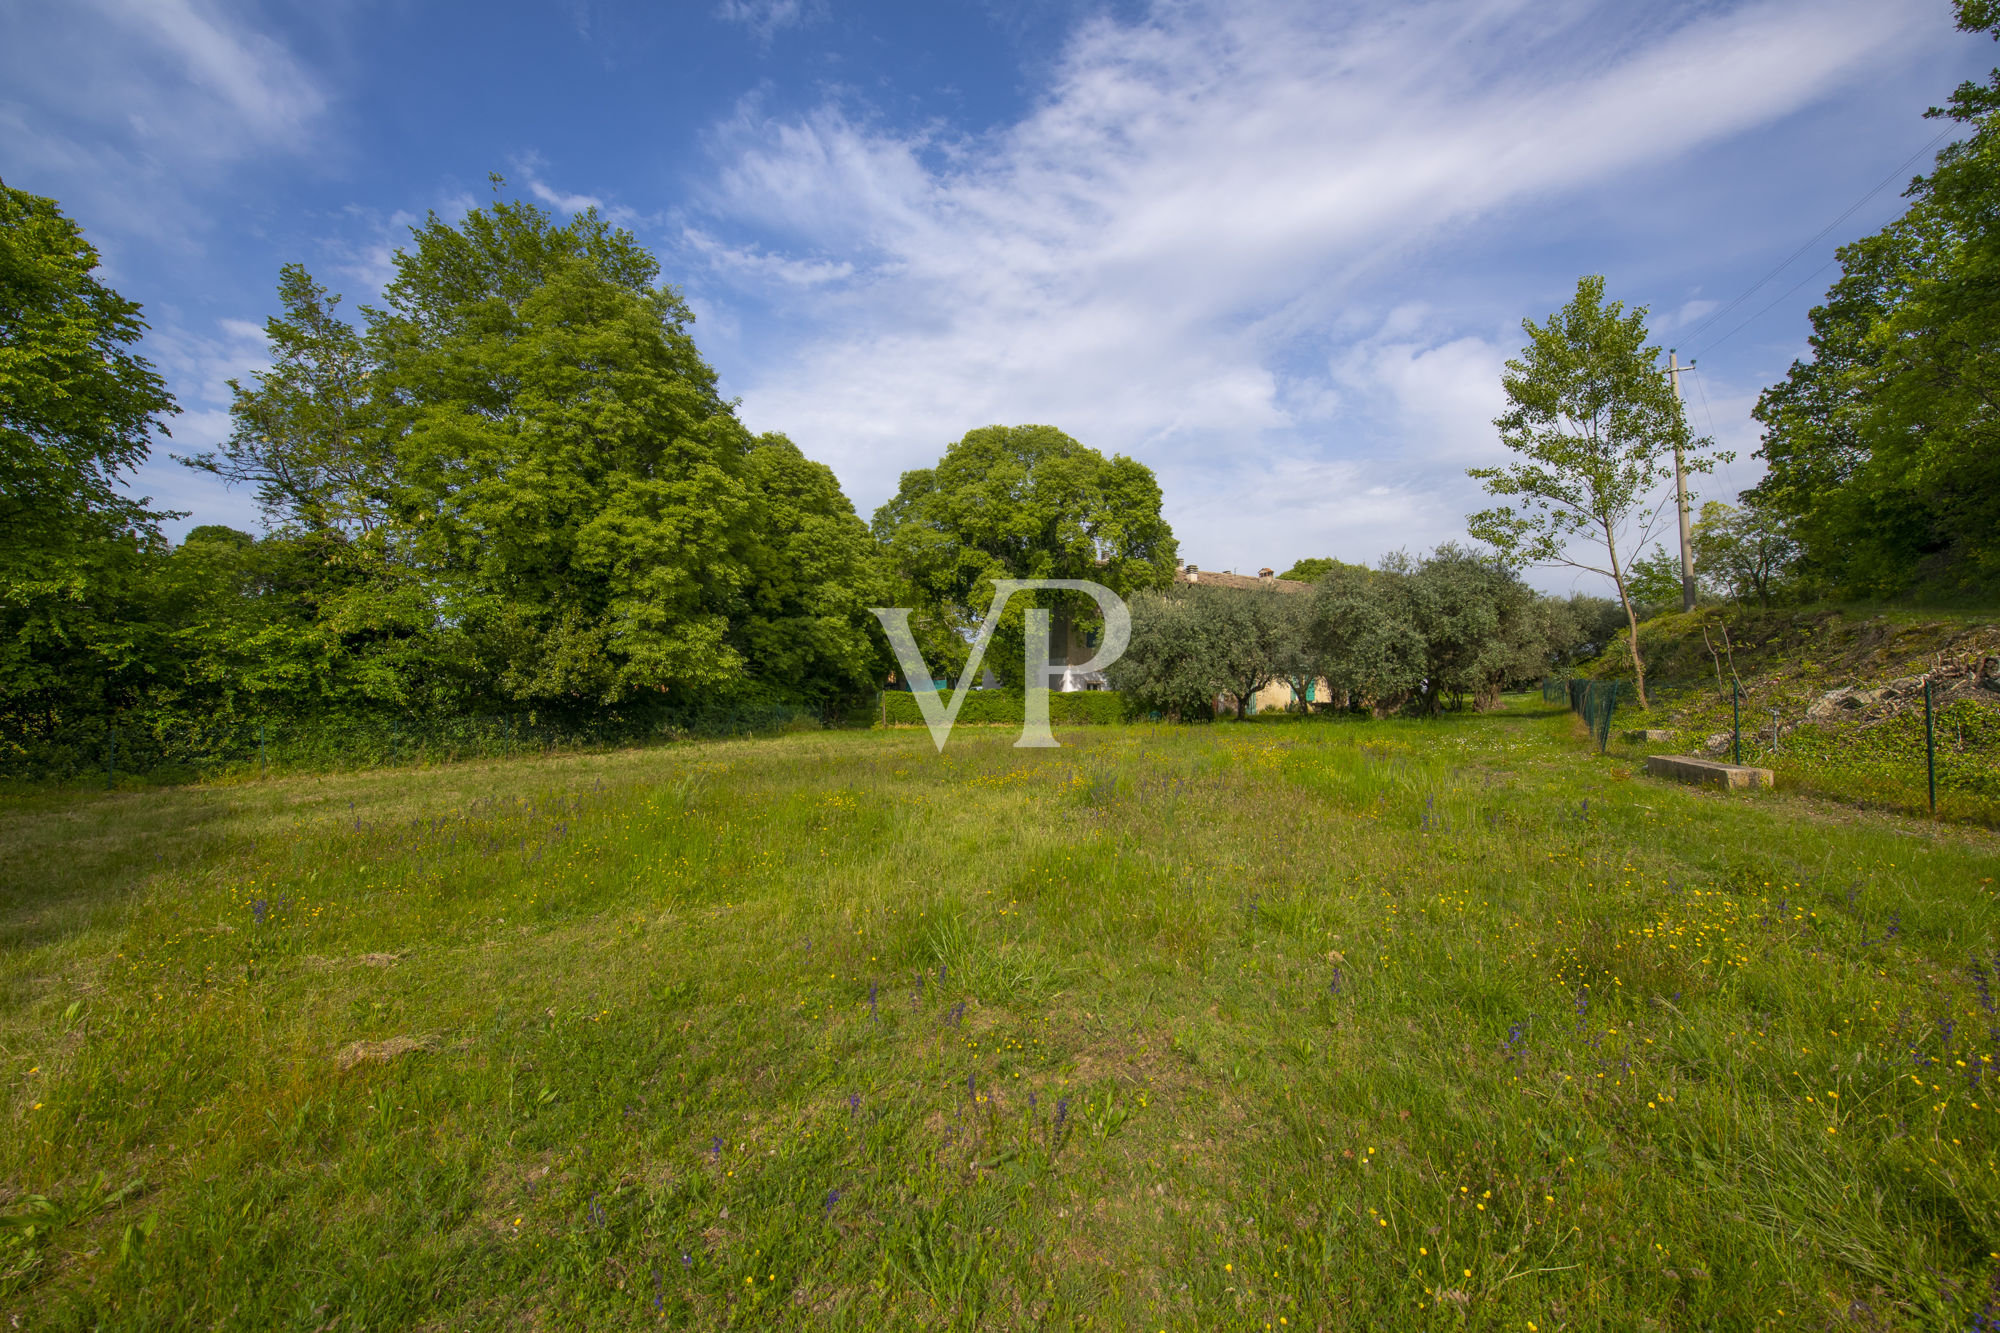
1008	706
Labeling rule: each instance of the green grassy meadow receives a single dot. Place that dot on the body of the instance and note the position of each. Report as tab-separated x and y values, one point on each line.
1295	1024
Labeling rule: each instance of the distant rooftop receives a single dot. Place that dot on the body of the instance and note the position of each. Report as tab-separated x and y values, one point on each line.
1216	578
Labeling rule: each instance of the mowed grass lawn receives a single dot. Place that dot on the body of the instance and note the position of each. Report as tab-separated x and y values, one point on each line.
1299	1025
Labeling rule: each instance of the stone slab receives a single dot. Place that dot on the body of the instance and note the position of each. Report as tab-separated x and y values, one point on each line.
1687	768
1644	737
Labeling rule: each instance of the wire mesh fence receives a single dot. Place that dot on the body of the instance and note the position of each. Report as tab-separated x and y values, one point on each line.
1595	701
111	748
1929	743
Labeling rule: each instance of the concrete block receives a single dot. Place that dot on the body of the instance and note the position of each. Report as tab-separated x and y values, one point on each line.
1651	734
1687	768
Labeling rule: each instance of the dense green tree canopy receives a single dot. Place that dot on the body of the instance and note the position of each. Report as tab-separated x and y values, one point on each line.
1446	631
527	461
1019	502
566	470
514	487
1883	447
1363	639
308	434
78	407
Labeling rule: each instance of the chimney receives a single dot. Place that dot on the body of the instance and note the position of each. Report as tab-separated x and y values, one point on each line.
1266	575
1193	574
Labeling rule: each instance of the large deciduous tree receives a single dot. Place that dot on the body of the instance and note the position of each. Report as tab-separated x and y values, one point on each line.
1020	502
538	495
78	407
1744	552
307	432
1883	447
1596	426
568	473
815	571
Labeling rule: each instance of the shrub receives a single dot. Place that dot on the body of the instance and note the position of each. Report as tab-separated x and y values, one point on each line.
1086	707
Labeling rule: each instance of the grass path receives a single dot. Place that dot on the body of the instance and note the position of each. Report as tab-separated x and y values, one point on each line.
1292	1025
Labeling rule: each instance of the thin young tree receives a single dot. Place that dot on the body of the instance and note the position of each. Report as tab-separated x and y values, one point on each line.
1595	423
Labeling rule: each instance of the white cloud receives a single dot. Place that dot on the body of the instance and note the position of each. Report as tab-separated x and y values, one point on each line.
766	18
568	203
530	166
761	266
123	106
251	82
1200	198
200	365
1689	314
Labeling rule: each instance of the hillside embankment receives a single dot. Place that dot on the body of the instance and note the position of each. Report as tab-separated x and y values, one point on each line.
1832	698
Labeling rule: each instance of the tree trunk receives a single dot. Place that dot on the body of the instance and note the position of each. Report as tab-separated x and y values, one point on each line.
1631	616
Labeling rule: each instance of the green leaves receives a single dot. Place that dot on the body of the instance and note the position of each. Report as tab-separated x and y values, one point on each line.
1598	429
1193	642
1019	502
533	453
26	1232
77	406
308	435
77	409
1884	459
1595	423
513	488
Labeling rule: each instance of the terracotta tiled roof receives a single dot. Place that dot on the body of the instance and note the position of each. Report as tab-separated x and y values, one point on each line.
1217	579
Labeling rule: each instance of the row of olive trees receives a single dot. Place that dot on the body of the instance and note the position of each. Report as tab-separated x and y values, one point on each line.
1445	631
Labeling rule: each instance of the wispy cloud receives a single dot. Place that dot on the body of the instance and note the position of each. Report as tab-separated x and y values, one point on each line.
125	105
767	18
1176	254
200	364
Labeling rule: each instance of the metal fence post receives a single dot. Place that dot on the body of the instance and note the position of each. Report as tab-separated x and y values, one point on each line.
1930	747
111	759
263	753
1736	718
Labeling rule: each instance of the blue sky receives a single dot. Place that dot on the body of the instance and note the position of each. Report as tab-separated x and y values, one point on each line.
1277	251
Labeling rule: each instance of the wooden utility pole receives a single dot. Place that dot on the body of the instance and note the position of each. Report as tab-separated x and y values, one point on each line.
1674	369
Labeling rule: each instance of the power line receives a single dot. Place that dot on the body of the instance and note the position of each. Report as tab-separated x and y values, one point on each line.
1710	416
1774	305
1819	236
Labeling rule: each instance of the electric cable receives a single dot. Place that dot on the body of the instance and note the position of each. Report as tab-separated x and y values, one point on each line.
1819	236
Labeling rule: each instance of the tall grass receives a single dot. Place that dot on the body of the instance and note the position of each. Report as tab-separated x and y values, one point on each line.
1305	1023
